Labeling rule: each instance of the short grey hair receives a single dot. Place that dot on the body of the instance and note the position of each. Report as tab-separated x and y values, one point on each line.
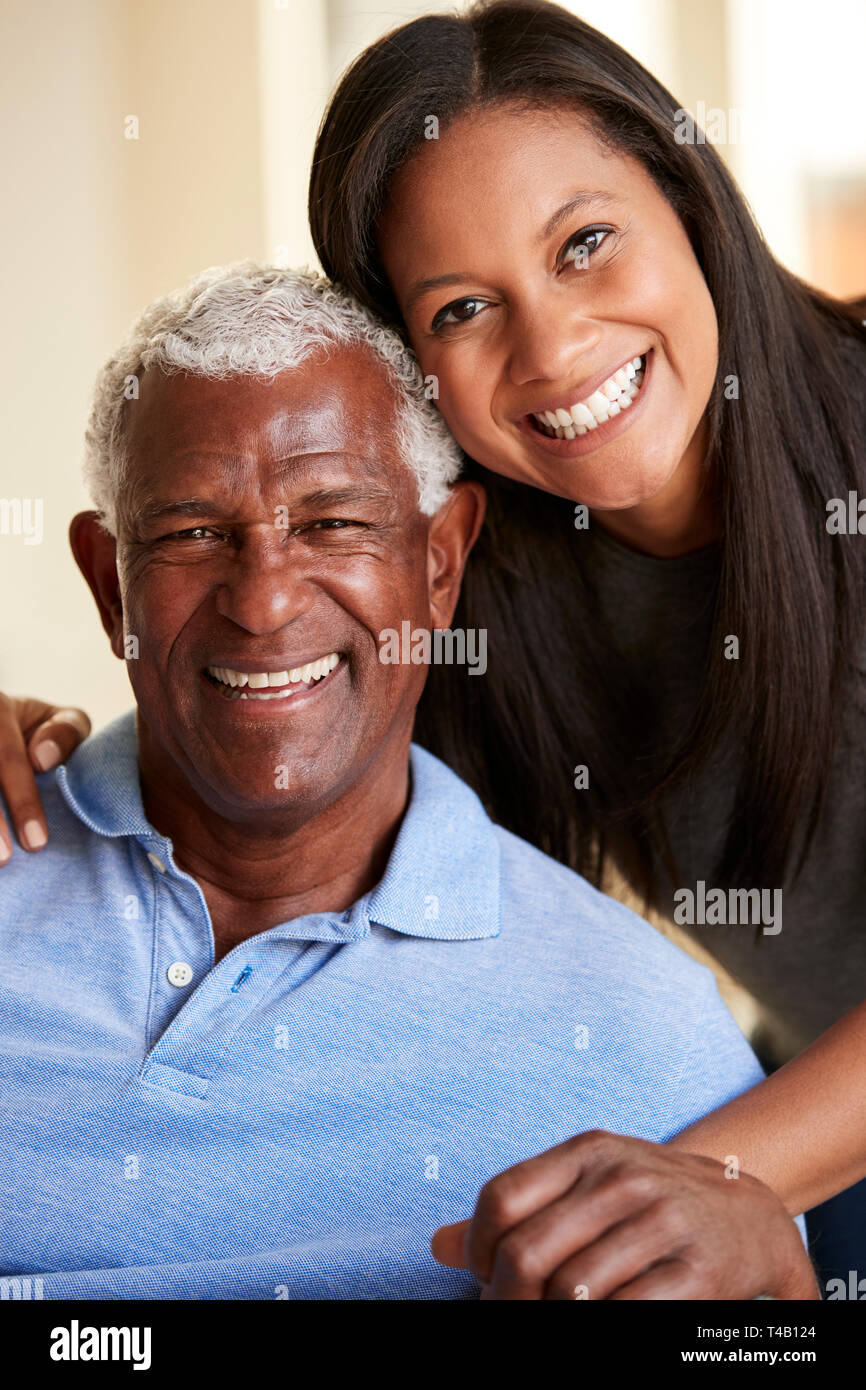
250	319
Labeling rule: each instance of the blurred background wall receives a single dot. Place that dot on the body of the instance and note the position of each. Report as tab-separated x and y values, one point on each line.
145	139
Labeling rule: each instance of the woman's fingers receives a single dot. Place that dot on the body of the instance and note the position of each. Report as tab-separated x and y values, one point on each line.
57	738
18	785
34	736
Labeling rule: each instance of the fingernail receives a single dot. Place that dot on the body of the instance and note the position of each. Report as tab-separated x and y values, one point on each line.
5	849
34	835
47	754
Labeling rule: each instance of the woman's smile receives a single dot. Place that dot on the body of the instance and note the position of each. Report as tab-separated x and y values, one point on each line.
592	419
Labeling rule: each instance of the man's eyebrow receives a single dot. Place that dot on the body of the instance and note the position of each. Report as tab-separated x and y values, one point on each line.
335	496
571	205
154	509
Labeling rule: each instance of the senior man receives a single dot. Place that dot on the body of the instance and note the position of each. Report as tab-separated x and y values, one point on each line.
278	999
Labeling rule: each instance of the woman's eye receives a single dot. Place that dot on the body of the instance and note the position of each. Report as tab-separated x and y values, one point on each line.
458	311
584	244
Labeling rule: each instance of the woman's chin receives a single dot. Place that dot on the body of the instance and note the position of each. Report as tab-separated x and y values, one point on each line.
609	479
615	493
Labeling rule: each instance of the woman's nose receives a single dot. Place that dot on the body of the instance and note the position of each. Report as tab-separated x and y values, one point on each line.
548	345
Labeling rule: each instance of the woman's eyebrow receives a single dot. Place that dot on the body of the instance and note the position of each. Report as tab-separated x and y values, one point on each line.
436	282
576	203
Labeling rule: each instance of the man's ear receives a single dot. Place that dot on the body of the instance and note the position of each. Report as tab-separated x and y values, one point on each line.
95	550
453	532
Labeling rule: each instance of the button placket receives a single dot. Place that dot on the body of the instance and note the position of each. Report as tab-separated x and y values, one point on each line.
203	1028
182	949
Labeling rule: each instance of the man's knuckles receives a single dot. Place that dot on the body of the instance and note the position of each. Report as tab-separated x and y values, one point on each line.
520	1260
502	1200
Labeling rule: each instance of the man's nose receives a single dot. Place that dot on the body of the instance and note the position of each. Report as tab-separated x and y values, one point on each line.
268	585
548	341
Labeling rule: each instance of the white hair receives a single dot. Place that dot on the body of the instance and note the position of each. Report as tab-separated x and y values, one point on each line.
249	319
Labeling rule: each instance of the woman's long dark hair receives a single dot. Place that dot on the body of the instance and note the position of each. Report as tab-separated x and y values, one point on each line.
554	695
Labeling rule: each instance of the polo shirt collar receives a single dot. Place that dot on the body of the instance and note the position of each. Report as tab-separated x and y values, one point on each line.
100	782
441	880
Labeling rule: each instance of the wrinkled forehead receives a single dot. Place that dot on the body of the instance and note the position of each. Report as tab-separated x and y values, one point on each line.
336	411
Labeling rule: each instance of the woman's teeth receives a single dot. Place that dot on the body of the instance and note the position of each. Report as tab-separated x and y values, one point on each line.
614	395
243	684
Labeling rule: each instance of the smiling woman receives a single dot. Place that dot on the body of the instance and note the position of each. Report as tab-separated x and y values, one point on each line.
698	649
530	102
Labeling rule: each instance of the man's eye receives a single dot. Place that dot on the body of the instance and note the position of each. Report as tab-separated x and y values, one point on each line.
333	523
458	311
192	533
584	244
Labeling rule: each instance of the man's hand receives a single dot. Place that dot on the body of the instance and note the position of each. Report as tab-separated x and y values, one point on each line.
36	735
607	1216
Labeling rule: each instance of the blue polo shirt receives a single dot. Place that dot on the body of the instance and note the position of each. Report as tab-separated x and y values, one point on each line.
295	1121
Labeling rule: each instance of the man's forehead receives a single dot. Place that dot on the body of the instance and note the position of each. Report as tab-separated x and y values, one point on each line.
327	424
224	480
324	403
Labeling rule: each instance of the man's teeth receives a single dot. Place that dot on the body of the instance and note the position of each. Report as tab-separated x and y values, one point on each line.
261	681
614	395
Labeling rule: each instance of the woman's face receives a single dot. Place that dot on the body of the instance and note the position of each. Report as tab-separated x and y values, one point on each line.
534	266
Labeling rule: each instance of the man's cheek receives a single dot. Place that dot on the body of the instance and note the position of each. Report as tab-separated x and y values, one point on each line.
145	651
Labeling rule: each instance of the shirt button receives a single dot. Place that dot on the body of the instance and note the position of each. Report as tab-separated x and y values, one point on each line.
156	862
179	973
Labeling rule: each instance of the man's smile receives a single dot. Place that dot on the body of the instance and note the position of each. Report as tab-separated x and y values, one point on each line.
233	683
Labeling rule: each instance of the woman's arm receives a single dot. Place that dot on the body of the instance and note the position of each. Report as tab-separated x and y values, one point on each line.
33	736
803	1130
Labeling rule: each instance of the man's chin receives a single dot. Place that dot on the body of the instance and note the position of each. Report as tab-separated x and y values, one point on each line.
250	773
274	795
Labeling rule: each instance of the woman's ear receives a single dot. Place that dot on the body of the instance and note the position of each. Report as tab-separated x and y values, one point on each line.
94	549
453	532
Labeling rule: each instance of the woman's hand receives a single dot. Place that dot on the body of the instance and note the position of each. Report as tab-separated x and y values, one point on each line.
607	1216
32	735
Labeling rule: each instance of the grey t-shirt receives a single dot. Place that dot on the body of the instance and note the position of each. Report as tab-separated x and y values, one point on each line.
658	615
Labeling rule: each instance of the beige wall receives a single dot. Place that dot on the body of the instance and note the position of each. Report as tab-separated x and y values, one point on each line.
66	293
97	225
